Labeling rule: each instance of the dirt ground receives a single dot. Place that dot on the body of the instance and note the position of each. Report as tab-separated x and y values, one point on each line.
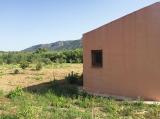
30	77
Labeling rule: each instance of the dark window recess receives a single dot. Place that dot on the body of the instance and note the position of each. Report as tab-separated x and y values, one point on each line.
97	58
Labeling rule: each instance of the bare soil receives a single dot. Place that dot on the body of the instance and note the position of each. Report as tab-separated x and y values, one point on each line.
30	77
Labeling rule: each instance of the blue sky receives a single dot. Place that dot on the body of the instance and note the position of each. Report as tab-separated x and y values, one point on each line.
24	23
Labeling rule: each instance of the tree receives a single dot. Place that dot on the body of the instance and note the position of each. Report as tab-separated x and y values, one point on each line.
24	65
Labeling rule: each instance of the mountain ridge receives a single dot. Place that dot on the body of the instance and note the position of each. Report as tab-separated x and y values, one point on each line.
56	46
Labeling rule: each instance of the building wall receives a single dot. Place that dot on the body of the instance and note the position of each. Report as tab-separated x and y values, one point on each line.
131	56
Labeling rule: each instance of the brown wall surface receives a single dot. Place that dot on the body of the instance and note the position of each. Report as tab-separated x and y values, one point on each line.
131	56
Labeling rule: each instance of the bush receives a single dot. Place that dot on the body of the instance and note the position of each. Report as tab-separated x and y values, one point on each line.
38	66
16	71
46	61
16	93
24	65
72	78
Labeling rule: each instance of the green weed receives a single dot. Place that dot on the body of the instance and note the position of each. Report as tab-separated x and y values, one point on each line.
15	93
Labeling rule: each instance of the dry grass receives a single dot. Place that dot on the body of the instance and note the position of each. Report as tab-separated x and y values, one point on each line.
29	77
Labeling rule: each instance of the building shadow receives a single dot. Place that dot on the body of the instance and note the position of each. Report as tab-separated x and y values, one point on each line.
57	87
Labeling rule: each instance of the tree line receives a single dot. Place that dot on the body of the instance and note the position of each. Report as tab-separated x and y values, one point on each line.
43	56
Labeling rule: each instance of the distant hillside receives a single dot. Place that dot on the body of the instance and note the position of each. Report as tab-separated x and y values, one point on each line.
59	45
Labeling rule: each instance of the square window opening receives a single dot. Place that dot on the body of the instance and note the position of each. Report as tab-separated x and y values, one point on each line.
97	58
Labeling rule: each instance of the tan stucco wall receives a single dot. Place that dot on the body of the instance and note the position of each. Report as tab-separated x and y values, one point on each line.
131	56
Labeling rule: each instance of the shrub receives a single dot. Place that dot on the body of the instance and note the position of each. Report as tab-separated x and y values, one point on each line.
72	78
16	71
24	65
38	66
46	61
16	93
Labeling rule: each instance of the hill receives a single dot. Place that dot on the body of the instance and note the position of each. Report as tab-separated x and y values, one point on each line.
59	45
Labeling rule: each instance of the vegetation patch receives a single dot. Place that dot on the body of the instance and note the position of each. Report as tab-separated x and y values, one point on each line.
38	66
28	111
41	55
74	78
37	78
63	100
16	71
16	93
24	64
2	73
1	93
59	99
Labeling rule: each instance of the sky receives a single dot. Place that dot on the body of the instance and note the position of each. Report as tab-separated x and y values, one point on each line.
24	23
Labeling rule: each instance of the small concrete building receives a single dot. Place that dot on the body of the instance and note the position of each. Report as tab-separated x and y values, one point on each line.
122	58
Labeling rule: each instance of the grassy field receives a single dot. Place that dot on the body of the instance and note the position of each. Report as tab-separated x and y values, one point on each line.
36	95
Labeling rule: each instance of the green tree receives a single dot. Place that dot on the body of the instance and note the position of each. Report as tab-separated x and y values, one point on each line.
24	65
